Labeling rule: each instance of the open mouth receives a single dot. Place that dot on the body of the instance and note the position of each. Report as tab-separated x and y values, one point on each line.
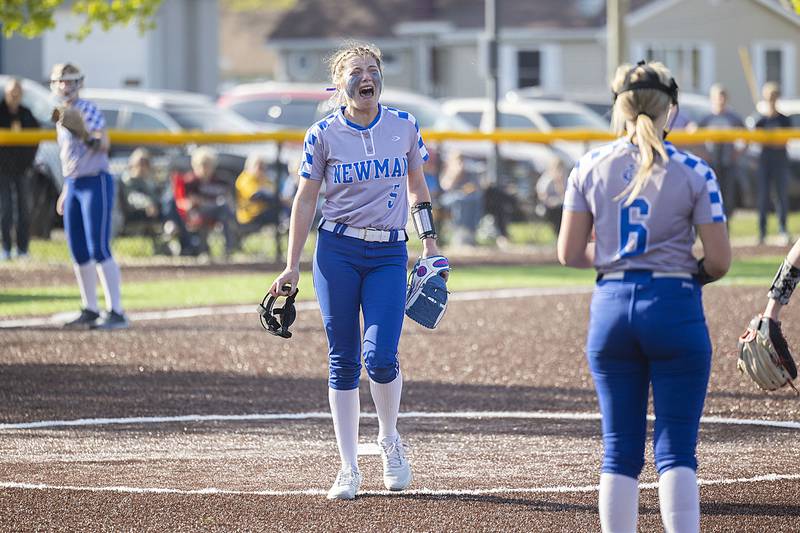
366	92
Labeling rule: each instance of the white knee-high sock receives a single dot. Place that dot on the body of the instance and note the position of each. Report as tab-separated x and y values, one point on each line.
679	499
346	408
87	284
111	279
386	397
618	503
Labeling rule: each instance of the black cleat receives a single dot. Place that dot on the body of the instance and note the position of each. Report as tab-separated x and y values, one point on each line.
86	320
113	320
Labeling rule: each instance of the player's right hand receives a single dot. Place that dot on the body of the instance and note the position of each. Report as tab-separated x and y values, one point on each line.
290	276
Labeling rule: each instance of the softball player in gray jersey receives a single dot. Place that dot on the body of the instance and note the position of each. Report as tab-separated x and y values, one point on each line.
647	201
370	158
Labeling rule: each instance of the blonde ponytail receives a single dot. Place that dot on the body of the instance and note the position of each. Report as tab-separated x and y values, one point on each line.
641	106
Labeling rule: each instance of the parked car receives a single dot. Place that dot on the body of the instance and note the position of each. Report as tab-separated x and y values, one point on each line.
172	111
298	105
535	115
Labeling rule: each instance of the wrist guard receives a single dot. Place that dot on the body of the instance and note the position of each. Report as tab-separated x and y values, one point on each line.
422	215
703	277
784	283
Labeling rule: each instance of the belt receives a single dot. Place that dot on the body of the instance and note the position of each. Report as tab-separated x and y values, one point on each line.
365	234
620	275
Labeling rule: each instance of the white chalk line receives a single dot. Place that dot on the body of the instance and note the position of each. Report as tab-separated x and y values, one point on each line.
172	314
470	415
563	489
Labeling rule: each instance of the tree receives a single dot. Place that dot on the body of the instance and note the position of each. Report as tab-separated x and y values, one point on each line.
31	18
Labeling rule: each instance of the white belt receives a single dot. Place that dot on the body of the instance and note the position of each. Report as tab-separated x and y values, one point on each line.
621	275
365	234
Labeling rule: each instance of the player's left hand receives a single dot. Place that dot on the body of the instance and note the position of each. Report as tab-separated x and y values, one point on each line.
60	202
430	249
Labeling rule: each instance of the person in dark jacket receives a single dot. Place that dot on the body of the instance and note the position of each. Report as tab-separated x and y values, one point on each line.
773	167
15	161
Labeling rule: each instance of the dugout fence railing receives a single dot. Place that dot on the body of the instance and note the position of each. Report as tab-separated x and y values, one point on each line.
138	239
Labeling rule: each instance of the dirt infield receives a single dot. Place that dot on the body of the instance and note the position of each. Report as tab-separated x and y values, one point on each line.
499	412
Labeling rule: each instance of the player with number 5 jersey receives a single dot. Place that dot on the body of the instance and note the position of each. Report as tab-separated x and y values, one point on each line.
647	201
370	158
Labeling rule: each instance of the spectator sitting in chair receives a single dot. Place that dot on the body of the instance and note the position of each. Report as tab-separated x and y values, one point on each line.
463	196
257	202
203	200
140	190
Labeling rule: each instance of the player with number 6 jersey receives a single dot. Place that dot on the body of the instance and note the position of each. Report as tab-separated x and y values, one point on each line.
370	159
647	201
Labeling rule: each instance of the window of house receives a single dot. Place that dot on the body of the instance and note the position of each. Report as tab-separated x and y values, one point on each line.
685	61
529	68
391	63
301	66
773	61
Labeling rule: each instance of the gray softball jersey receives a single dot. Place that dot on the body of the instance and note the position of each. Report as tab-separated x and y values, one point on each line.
657	231
365	169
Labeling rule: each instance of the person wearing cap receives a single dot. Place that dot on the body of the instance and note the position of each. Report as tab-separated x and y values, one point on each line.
86	200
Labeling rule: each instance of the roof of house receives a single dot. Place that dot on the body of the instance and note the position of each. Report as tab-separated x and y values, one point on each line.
326	19
320	19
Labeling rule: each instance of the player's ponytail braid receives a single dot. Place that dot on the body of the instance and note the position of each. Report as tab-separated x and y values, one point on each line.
337	62
641	107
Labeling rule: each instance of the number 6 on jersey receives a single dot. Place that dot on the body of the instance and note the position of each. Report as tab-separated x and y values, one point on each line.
633	228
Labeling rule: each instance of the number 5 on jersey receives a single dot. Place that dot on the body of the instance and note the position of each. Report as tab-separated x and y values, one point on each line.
393	195
633	228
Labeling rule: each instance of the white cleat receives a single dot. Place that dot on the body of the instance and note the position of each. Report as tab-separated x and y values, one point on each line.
396	468
346	485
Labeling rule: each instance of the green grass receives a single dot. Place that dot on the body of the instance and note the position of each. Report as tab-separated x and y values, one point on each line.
744	224
250	288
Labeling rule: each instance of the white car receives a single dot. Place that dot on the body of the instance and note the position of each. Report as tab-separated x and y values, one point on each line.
525	114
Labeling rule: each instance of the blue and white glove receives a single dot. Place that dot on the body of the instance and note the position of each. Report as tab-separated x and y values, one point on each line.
426	296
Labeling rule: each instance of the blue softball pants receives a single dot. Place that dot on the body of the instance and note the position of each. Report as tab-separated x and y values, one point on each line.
87	217
647	330
352	276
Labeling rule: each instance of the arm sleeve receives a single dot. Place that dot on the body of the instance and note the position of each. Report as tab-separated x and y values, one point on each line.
312	165
418	153
708	206
574	197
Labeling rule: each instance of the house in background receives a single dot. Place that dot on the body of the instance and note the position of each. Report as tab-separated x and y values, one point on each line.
434	46
181	53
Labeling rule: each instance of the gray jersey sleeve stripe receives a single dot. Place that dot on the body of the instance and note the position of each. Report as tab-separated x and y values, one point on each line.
405	115
701	168
312	164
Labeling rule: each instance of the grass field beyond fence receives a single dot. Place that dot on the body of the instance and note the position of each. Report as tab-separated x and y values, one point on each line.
237	288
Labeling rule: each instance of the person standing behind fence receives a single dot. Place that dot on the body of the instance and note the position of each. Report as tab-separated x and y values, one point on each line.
724	157
646	200
773	166
15	163
87	199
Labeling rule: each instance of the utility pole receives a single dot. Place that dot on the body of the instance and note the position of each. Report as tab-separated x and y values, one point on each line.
490	17
616	35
